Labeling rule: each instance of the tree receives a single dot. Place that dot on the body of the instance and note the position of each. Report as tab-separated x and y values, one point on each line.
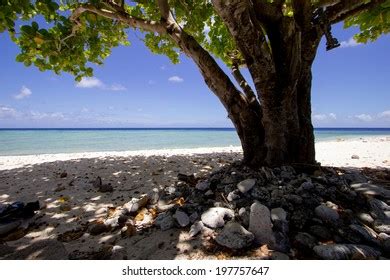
276	40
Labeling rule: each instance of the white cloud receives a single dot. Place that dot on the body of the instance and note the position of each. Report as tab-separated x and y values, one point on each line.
325	117
84	110
364	117
151	82
176	79
92	82
349	44
7	112
384	115
23	93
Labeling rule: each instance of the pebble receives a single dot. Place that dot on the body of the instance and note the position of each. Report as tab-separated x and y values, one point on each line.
98	228
234	236
128	230
365	218
136	204
326	214
165	221
278	214
232	196
182	218
7	228
355	157
382	226
345	252
196	228
202	185
371	190
305	241
215	216
246	185
260	224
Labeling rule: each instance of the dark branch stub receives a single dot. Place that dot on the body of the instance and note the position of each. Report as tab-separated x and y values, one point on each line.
320	18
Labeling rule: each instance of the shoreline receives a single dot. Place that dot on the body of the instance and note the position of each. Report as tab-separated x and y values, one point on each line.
372	151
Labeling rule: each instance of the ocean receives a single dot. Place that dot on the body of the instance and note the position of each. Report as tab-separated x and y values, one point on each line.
52	141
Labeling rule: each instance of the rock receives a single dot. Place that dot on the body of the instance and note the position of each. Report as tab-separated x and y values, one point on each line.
321	232
193	217
260	224
275	255
40	250
234	236
209	193
163	206
182	218
118	253
371	190
202	185
327	214
355	157
63	175
355	177
154	196
196	228
306	186
65	207
383	236
365	218
378	208
296	199
305	241
215	216
382	226
7	228
165	221
106	188
244	215
59	189
366	233
189	179
136	204
345	252
5	250
232	196
246	185
278	214
128	230
98	228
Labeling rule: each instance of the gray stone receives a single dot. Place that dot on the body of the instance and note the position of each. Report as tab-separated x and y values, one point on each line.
355	157
118	253
232	196
260	224
106	188
209	193
345	252
366	233
278	214
165	221
98	228
136	204
193	217
202	185
371	190
163	206
182	218
7	228
275	255
365	218
215	216
244	215
40	250
382	226
321	232
327	214
378	208
355	177
196	228
234	236
246	185
383	236
305	241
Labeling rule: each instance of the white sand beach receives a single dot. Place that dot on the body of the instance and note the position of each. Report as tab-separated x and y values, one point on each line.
41	177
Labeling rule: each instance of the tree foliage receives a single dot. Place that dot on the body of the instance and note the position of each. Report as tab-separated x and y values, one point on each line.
50	40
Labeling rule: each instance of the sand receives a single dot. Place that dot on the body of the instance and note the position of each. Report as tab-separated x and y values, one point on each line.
38	177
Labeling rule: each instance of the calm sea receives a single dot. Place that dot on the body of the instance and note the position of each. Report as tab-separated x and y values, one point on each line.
48	141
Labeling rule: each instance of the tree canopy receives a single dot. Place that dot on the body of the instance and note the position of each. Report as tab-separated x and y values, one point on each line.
69	35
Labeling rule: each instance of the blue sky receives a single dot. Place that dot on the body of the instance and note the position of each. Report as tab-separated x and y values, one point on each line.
135	88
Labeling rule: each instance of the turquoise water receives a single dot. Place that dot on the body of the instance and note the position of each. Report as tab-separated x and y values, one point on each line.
48	141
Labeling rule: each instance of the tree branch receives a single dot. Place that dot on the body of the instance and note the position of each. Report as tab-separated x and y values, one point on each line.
242	82
348	8
147	25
